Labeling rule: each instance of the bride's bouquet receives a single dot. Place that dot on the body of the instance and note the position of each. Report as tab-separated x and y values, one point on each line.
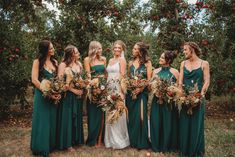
52	88
114	107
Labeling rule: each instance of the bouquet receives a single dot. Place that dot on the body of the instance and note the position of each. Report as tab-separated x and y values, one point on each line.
190	98
52	88
98	89
193	98
75	80
135	82
114	107
79	83
159	88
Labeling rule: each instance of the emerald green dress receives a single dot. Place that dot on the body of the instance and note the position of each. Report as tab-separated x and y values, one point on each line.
94	113
164	120
191	127
137	108
43	135
70	122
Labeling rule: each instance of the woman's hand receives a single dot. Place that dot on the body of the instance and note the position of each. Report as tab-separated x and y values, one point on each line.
66	87
138	90
78	92
56	96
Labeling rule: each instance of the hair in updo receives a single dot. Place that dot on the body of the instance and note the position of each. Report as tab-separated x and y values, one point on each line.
193	46
69	51
143	48
170	56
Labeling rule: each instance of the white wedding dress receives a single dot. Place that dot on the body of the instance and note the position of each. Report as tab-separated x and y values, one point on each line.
116	134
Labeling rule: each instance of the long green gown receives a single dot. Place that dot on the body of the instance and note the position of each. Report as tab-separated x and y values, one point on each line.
191	127
94	113
137	126
164	120
43	135
70	124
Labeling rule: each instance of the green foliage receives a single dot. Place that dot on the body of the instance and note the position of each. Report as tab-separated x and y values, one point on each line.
21	29
106	21
210	23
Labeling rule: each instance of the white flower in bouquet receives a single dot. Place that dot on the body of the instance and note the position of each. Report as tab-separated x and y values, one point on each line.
45	86
102	87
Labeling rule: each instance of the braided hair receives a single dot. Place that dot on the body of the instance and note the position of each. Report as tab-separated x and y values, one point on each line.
193	46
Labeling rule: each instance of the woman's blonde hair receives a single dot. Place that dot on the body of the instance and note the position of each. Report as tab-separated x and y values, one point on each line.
93	48
119	42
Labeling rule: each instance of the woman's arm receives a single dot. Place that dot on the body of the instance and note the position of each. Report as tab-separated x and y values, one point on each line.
61	69
87	67
122	67
129	69
206	77
181	75
149	70
176	73
35	74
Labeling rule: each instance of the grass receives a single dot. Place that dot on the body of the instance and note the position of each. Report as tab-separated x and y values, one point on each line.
219	133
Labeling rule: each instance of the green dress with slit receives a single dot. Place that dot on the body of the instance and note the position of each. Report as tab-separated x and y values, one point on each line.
164	120
191	127
70	122
95	113
43	134
137	113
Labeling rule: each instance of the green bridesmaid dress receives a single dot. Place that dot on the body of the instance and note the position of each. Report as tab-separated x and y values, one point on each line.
94	113
70	122
164	120
137	114
43	135
191	127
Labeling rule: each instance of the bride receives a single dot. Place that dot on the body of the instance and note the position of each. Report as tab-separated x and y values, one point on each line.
116	134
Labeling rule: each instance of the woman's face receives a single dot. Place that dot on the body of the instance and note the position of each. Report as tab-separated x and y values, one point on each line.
187	52
76	54
99	50
117	50
162	60
136	51
51	50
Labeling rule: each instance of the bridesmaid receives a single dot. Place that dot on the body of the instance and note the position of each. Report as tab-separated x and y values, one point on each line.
191	127
95	64
138	120
70	125
164	118
43	135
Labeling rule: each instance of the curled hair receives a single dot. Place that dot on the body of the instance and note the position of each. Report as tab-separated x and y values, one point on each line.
170	56
43	49
194	46
143	48
68	54
119	42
